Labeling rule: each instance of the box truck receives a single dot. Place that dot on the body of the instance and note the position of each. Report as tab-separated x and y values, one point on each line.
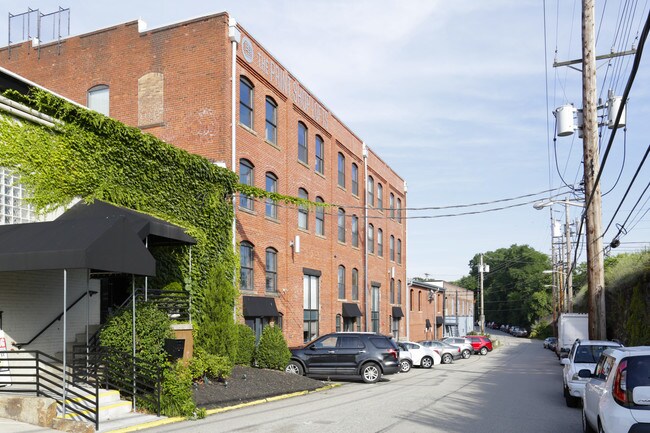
570	327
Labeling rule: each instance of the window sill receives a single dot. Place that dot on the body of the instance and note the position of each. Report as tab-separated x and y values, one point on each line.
151	125
246	128
273	145
318	173
271	219
246	210
304	164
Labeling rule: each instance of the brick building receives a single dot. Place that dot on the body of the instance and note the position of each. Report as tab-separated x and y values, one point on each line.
312	270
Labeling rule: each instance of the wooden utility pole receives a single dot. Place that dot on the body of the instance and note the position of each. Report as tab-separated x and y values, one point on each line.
595	261
482	316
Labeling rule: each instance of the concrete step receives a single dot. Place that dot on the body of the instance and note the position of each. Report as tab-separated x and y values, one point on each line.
110	406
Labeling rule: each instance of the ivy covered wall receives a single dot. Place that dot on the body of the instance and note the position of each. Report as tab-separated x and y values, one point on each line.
92	156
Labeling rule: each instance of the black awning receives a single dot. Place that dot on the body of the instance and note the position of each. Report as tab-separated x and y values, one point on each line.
427	324
397	312
259	306
440	320
351	310
104	244
160	232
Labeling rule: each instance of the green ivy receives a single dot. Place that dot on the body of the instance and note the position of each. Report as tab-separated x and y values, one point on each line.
91	156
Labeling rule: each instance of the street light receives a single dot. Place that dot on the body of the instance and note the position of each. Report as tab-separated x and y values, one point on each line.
567	234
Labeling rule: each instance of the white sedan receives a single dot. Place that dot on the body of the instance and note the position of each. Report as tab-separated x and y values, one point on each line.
422	356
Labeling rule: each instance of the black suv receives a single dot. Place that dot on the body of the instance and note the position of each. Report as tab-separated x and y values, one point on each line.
364	354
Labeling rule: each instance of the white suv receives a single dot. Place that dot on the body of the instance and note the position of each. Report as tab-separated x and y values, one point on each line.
617	396
584	354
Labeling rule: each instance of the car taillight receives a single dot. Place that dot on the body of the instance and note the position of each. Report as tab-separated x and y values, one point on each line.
394	353
620	384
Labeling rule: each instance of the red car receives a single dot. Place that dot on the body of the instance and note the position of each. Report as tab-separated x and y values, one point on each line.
481	344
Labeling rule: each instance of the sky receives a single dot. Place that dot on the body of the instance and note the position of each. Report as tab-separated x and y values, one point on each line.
456	96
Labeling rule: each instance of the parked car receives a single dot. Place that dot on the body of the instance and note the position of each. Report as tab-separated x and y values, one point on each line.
405	359
617	395
480	343
424	357
365	354
550	342
583	355
520	332
466	348
447	352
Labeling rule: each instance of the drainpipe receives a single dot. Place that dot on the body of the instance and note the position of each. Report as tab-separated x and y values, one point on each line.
234	36
405	256
365	223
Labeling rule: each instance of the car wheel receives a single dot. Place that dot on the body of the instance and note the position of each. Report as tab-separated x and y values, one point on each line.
427	362
600	427
483	350
446	358
294	368
466	354
586	428
370	373
571	401
405	366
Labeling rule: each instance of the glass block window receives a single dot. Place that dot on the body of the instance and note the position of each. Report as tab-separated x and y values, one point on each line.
13	208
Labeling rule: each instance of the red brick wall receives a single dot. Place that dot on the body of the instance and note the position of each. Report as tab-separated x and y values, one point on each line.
195	60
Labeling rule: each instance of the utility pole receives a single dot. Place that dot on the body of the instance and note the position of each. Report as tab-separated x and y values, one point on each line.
569	271
482	316
595	261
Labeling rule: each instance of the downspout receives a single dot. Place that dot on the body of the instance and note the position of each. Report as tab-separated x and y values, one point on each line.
408	309
408	318
65	339
234	36
365	224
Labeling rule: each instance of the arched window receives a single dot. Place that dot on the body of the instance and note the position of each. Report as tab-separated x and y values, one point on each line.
355	284
303	211
302	143
271	120
399	210
355	179
245	178
371	239
380	197
399	251
341	225
320	155
419	300
391	205
341	170
341	281
98	99
391	248
355	231
380	243
245	102
320	217
392	290
246	260
411	300
271	270
271	186
399	291
371	191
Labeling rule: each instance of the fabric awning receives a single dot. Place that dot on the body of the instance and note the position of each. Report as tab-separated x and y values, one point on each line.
105	244
350	310
259	306
397	312
440	320
160	232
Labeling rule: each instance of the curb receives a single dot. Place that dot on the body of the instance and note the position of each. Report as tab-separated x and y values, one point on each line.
222	409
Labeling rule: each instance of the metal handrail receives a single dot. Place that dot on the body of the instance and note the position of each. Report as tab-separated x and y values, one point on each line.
56	319
34	372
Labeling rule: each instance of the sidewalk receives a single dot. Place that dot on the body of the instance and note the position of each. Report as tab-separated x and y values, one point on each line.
11	426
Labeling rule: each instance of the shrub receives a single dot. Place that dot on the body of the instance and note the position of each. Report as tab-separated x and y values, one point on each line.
272	351
245	345
176	398
206	364
541	330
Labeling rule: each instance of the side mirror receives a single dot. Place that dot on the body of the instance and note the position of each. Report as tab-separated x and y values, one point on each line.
565	361
585	373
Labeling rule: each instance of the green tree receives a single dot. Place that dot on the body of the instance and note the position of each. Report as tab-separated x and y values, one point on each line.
272	351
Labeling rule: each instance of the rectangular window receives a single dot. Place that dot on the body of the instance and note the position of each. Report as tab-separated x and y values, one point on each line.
98	99
271	270
399	292
310	307
371	239
320	218
13	206
355	231
245	178
320	155
380	243
341	282
399	251
302	143
375	309
246	266
391	248
341	170
303	211
355	285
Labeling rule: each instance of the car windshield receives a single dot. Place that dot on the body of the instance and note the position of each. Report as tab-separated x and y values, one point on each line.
589	354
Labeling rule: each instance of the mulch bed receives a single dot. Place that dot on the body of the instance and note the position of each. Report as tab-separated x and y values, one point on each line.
249	384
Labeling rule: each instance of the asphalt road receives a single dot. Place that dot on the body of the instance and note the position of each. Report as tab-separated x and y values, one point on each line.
516	388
